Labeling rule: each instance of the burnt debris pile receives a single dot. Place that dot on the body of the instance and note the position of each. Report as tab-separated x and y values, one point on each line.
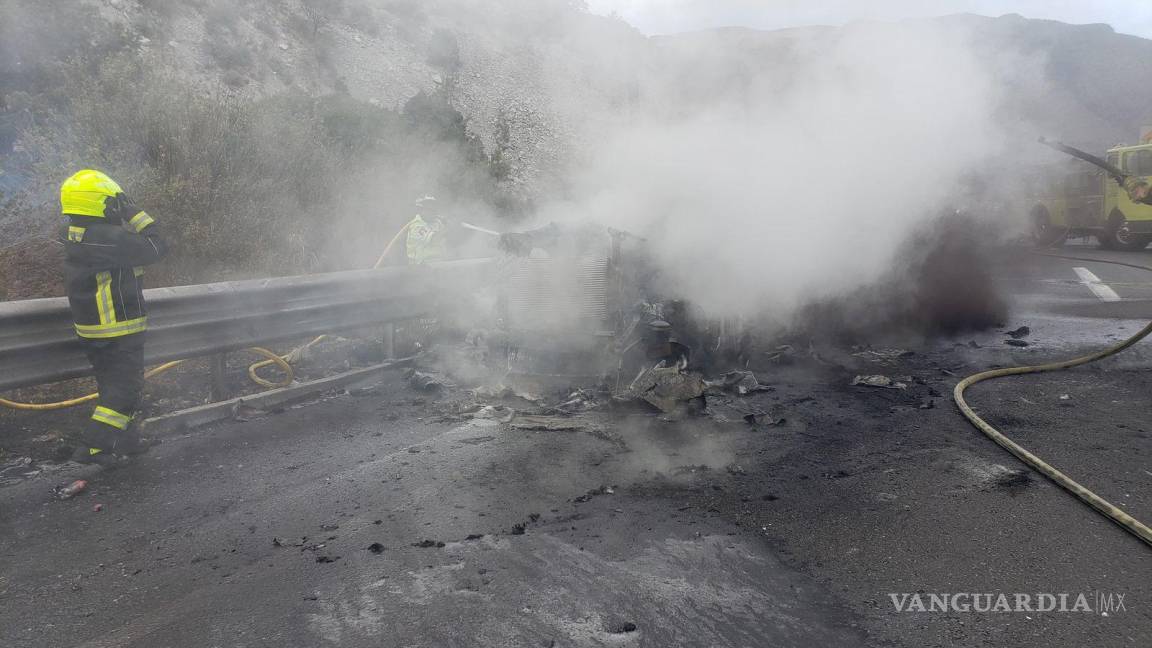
939	284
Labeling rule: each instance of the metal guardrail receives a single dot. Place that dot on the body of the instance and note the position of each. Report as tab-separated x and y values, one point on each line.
38	344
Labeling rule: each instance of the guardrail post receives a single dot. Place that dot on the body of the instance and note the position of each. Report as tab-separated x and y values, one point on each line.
217	366
389	338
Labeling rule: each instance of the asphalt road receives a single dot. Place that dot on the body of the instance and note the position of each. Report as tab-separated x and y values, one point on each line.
382	519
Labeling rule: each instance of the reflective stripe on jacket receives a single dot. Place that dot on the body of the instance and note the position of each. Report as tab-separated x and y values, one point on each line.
103	274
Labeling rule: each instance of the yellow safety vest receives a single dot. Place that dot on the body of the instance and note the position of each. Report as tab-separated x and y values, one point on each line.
425	242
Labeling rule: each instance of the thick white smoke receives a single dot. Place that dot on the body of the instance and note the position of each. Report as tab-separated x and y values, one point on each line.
796	168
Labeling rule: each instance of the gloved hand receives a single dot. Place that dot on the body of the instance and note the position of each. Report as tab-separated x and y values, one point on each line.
116	209
121	210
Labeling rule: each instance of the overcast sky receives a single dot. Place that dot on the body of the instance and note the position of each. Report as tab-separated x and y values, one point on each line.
670	16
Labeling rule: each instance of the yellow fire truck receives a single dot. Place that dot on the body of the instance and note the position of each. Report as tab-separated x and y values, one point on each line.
1078	200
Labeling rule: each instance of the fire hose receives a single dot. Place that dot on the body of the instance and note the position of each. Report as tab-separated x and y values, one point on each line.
284	362
273	358
1090	498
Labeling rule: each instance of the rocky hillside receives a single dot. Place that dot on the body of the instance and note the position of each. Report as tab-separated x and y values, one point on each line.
525	80
502	63
1093	86
525	73
1084	83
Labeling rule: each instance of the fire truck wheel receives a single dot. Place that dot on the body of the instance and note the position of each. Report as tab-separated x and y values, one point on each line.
1117	237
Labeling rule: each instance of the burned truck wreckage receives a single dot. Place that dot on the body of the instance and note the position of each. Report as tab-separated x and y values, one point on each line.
587	307
584	307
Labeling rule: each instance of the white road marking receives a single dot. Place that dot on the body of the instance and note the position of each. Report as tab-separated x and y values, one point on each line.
1103	292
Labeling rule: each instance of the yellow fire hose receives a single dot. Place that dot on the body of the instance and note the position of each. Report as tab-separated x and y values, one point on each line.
273	358
283	362
1106	508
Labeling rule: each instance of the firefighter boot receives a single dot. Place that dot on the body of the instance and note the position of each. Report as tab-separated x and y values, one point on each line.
131	443
96	456
98	445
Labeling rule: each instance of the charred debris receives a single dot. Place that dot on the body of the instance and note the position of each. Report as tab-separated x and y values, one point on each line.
579	318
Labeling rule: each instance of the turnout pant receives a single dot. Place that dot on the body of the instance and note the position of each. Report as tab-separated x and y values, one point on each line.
118	364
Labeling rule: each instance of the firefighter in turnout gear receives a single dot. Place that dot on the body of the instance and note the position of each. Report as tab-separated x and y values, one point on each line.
107	242
426	233
1138	190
